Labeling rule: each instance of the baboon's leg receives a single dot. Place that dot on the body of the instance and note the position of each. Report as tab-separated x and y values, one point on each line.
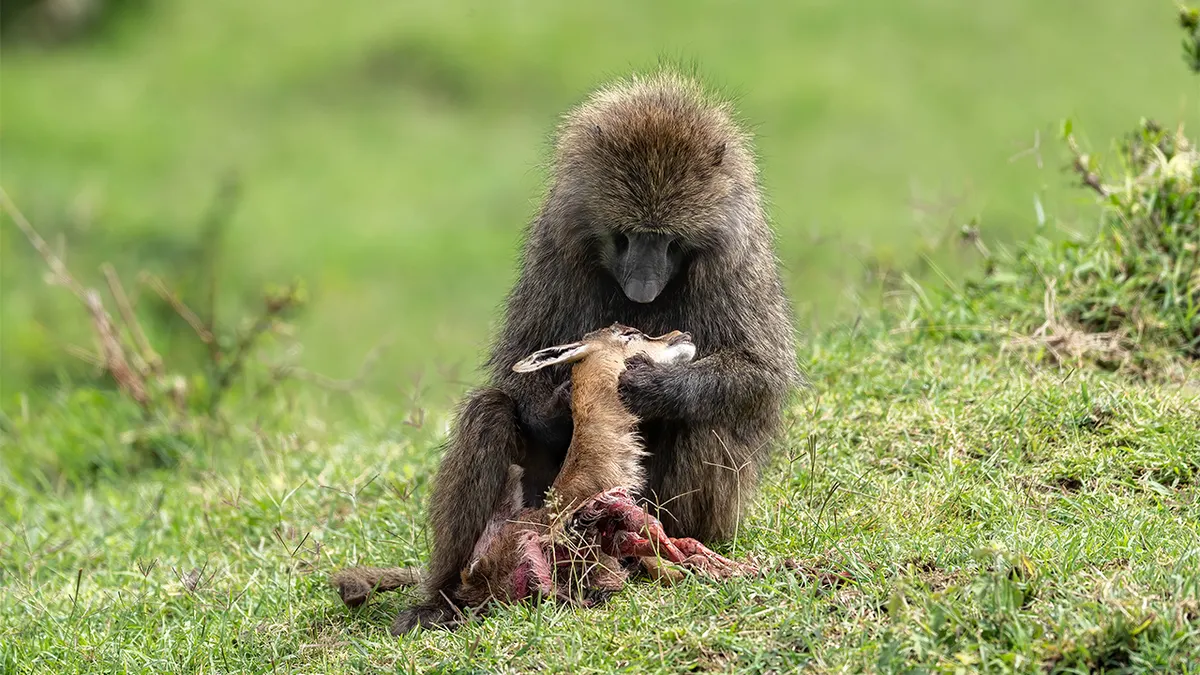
471	480
699	482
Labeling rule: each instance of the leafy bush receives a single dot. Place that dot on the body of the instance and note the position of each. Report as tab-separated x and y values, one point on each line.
1127	294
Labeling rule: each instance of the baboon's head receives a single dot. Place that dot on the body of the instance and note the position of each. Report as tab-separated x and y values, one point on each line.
616	344
653	174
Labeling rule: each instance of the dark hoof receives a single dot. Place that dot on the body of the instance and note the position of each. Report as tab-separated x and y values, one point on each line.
353	591
354	597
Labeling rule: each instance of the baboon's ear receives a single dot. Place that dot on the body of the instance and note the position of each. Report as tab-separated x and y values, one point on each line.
551	356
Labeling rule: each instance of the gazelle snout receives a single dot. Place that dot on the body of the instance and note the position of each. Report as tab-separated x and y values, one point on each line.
673	348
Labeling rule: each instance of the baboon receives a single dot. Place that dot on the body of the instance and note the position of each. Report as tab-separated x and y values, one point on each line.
572	547
653	218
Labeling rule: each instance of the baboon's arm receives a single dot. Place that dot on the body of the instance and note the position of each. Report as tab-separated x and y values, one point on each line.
723	387
471	481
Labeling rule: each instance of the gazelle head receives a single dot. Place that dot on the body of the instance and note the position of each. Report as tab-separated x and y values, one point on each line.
615	341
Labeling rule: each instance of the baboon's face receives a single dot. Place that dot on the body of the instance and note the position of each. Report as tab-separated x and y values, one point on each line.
646	238
643	263
655	188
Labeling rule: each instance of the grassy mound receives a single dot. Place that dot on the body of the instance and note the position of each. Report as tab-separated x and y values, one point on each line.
1128	294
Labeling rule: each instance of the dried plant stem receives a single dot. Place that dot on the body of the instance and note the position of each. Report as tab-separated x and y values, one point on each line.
114	355
151	358
273	307
57	267
1090	178
113	352
155	284
1065	342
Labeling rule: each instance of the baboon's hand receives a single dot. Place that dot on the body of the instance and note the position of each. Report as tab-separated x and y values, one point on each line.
648	389
550	417
638	361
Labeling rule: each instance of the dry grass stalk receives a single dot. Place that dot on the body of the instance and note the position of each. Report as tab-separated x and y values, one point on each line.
152	362
1067	343
113	352
133	363
155	284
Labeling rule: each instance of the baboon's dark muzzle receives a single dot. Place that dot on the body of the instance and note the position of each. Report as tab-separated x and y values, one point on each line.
646	266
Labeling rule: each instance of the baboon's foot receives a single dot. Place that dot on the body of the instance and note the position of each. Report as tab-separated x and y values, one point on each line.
427	616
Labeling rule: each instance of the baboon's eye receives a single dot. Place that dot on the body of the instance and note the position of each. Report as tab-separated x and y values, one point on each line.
621	242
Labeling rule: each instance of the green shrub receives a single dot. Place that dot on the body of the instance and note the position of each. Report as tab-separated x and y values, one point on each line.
1127	294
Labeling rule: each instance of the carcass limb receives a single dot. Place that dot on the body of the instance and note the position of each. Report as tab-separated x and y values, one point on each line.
627	530
532	576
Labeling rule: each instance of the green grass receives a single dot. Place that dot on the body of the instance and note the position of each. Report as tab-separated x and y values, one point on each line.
994	517
391	153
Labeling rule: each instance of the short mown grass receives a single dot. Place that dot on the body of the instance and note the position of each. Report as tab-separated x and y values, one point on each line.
938	505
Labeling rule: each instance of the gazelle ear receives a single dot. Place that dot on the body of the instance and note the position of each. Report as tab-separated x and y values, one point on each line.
551	356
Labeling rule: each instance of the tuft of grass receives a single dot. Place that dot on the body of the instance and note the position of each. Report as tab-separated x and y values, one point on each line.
1125	296
937	507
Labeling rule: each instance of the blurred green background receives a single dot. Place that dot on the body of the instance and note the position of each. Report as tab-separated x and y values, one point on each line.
390	153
